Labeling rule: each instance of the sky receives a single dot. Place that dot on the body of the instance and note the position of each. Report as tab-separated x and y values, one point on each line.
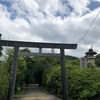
52	21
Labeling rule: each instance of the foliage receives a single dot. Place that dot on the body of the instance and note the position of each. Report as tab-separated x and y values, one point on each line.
36	67
72	64
4	80
21	67
52	79
29	74
83	84
97	60
21	92
25	50
40	65
67	57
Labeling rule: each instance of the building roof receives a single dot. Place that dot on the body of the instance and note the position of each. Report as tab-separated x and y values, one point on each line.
90	52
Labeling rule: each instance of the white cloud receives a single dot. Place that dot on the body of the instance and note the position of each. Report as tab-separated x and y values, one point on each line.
79	6
35	20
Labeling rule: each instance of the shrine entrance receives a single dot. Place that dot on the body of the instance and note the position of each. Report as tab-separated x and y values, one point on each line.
17	44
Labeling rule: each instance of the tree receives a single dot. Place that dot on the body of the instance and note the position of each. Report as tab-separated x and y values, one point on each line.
83	83
97	60
21	67
52	79
40	65
4	80
29	73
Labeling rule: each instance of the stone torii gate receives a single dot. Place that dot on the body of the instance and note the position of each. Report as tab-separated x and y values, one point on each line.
17	44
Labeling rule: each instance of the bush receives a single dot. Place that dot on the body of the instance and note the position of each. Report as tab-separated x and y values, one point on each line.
83	84
20	75
52	80
4	80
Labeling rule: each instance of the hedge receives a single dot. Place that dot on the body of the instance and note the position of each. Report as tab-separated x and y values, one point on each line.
83	83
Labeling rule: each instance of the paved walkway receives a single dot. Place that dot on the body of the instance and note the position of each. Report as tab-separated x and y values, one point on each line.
33	92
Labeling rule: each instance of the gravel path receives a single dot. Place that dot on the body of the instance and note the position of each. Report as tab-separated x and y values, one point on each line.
33	92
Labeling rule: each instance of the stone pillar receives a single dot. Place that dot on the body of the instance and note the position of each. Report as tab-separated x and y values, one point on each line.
83	62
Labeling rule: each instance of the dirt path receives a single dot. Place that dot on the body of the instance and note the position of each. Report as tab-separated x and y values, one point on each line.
33	92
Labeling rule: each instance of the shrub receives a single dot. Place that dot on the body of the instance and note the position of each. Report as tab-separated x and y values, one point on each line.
52	79
83	83
4	80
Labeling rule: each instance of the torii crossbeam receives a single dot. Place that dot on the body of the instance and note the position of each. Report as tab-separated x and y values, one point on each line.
17	44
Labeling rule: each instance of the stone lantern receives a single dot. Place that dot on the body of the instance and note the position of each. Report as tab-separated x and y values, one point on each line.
90	58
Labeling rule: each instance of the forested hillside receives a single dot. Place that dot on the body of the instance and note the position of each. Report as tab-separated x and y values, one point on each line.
67	57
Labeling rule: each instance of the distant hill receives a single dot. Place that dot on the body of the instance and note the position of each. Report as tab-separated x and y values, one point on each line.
67	57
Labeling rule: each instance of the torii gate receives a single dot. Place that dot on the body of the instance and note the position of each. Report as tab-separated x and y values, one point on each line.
17	44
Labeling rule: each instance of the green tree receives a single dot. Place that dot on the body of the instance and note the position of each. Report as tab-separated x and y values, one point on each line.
40	65
29	74
21	67
4	80
83	83
52	79
97	60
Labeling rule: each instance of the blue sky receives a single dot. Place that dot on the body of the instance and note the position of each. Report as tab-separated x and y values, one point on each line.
51	21
6	3
93	5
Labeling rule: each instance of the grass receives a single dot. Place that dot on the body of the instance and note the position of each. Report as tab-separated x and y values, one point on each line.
21	92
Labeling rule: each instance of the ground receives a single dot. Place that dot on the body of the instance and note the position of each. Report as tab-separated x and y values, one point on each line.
34	92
